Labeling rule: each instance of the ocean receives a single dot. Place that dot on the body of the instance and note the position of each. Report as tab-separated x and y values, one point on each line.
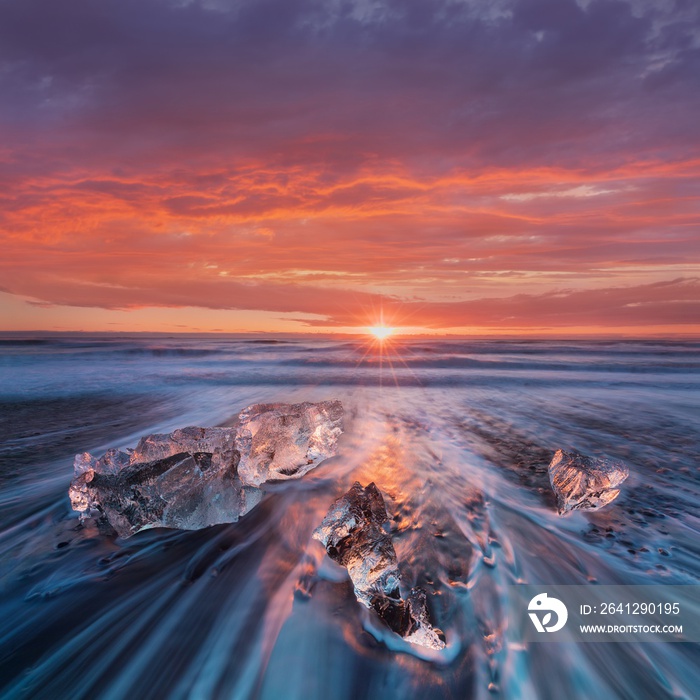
457	434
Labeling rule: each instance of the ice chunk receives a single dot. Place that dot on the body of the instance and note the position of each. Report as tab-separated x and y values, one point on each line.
283	441
354	536
111	462
190	478
422	633
219	442
584	483
180	491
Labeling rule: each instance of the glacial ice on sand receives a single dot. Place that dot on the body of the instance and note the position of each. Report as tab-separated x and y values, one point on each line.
196	477
354	536
584	483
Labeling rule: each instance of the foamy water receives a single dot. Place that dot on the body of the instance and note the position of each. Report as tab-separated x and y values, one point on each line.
457	435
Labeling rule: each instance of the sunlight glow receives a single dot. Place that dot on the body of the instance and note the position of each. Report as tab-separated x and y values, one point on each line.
381	332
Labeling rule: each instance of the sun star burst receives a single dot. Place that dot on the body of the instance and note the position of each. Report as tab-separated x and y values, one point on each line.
381	332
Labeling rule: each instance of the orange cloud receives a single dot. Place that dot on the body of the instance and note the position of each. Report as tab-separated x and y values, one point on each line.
333	162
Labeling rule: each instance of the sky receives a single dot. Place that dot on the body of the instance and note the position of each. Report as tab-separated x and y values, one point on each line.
518	167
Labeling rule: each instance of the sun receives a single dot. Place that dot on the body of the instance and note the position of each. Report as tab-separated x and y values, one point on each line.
380	332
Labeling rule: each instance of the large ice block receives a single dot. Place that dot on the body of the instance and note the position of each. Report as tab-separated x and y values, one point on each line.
196	477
